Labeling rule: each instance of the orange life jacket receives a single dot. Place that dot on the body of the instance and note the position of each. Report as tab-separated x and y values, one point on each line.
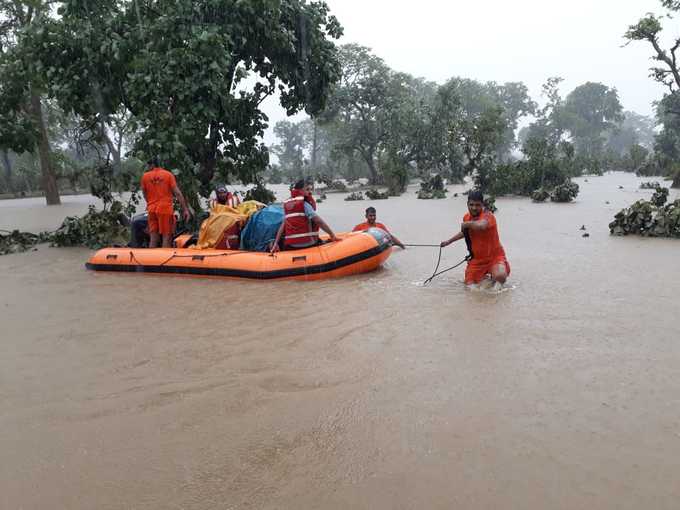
231	238
297	228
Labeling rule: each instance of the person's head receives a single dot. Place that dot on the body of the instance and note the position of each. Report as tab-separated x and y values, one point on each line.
153	162
222	194
371	215
475	203
309	186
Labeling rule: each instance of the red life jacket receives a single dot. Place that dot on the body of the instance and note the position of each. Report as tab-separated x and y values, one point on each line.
297	228
230	239
232	200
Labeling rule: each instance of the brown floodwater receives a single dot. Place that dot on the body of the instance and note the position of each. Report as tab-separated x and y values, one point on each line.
125	391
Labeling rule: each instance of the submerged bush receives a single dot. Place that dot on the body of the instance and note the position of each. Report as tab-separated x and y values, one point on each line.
650	185
432	188
17	242
357	195
660	196
648	219
337	186
95	229
374	194
540	195
261	193
565	192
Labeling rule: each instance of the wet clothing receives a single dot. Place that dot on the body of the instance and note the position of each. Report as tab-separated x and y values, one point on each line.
157	185
487	250
163	224
361	227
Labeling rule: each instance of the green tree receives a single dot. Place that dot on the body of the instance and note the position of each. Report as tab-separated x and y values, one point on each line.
180	70
588	112
358	105
293	141
470	124
22	123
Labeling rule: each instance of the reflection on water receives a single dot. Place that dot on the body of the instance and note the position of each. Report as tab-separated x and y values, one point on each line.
142	391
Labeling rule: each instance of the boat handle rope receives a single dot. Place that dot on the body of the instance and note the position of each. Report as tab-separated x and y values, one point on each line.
196	256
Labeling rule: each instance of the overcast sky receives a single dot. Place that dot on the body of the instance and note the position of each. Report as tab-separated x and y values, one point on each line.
501	40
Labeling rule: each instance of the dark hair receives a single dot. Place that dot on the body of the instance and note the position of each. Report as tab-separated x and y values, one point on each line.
153	161
476	196
370	210
299	184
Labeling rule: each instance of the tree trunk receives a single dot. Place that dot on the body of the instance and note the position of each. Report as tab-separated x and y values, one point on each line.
49	178
314	146
4	154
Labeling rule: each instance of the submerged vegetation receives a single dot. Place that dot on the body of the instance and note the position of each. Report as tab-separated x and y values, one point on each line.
432	188
89	91
649	218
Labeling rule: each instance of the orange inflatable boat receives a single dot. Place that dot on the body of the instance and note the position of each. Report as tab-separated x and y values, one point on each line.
354	253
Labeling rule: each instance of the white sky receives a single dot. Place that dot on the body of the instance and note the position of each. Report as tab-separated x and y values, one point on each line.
502	40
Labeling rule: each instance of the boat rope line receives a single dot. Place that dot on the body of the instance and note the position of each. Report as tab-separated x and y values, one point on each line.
435	274
240	273
423	245
439	260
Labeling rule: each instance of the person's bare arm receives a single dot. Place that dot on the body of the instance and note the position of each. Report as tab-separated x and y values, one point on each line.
182	202
475	225
455	238
397	242
279	233
324	226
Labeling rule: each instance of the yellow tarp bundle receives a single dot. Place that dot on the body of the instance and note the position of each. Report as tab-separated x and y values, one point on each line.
223	217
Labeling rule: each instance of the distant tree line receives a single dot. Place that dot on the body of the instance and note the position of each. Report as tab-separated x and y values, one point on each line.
90	90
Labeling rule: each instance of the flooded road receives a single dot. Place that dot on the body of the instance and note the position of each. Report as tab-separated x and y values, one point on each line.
123	391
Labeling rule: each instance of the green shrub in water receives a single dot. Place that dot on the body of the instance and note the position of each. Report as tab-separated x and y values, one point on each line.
660	196
540	195
374	194
261	194
565	192
648	219
432	188
357	195
95	230
17	242
649	185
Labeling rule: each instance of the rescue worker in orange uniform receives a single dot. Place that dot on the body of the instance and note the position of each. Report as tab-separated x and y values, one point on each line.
488	255
159	186
301	223
370	222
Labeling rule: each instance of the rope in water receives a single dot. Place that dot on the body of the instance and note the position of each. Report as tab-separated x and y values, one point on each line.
435	274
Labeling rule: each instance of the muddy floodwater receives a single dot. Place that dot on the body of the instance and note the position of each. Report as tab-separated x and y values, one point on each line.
126	391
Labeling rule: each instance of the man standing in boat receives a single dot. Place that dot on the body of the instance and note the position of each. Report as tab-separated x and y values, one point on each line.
371	216
159	186
488	255
301	223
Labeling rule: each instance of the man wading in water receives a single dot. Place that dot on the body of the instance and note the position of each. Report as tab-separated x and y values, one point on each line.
488	255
